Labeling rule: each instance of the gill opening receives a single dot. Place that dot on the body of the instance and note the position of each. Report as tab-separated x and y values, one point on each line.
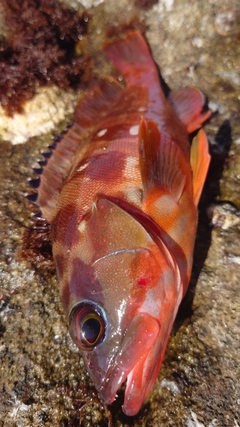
116	253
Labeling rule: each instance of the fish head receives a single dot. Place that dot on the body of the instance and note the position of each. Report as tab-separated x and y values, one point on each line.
117	290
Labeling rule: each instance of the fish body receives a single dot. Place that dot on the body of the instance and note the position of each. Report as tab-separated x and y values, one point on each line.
121	192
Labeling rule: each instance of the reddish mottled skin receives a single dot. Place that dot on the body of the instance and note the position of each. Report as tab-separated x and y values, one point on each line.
121	193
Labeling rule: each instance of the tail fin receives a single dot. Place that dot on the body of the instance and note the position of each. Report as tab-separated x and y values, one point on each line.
188	103
130	55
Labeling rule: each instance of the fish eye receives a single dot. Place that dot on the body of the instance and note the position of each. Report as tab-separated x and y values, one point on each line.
87	325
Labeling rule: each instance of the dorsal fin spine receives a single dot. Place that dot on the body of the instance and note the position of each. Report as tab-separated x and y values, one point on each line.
89	113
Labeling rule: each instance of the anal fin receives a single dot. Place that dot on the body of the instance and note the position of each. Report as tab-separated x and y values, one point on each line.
200	160
164	169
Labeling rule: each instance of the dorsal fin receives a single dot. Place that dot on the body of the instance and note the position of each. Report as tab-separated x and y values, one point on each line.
188	103
162	163
199	159
90	111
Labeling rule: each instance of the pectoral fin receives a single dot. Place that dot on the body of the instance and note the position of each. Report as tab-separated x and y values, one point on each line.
163	166
199	159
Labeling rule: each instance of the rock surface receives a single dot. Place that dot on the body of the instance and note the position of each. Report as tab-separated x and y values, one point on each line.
42	379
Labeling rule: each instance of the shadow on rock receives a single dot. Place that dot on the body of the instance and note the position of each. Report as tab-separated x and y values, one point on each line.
219	153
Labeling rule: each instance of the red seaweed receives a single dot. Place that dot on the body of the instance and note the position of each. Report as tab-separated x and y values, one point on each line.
39	48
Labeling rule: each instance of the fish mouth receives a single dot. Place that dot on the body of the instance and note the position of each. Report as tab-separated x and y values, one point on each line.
135	363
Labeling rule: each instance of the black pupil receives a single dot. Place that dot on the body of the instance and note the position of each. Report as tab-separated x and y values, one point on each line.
91	330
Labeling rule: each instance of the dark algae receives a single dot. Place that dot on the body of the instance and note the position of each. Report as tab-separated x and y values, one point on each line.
39	48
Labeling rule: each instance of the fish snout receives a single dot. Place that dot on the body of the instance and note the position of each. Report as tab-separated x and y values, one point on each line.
130	361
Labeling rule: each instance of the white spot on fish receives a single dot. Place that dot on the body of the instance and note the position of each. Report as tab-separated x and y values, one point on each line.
141	109
134	130
102	132
82	226
133	195
151	303
130	165
81	168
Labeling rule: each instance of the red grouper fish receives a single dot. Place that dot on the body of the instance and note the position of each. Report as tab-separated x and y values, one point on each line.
120	192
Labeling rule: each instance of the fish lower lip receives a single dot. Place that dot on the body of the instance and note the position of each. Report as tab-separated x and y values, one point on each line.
138	341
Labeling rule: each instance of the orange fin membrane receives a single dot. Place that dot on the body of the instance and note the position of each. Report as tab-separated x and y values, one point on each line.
200	160
130	55
188	103
162	163
89	114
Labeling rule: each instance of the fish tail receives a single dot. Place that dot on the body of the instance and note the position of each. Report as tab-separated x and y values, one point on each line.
130	54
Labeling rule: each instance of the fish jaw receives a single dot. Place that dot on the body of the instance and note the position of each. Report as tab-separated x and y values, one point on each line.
130	362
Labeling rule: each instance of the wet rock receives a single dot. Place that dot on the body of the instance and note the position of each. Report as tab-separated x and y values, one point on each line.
42	379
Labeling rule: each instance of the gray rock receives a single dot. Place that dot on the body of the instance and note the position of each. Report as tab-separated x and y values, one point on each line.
42	379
